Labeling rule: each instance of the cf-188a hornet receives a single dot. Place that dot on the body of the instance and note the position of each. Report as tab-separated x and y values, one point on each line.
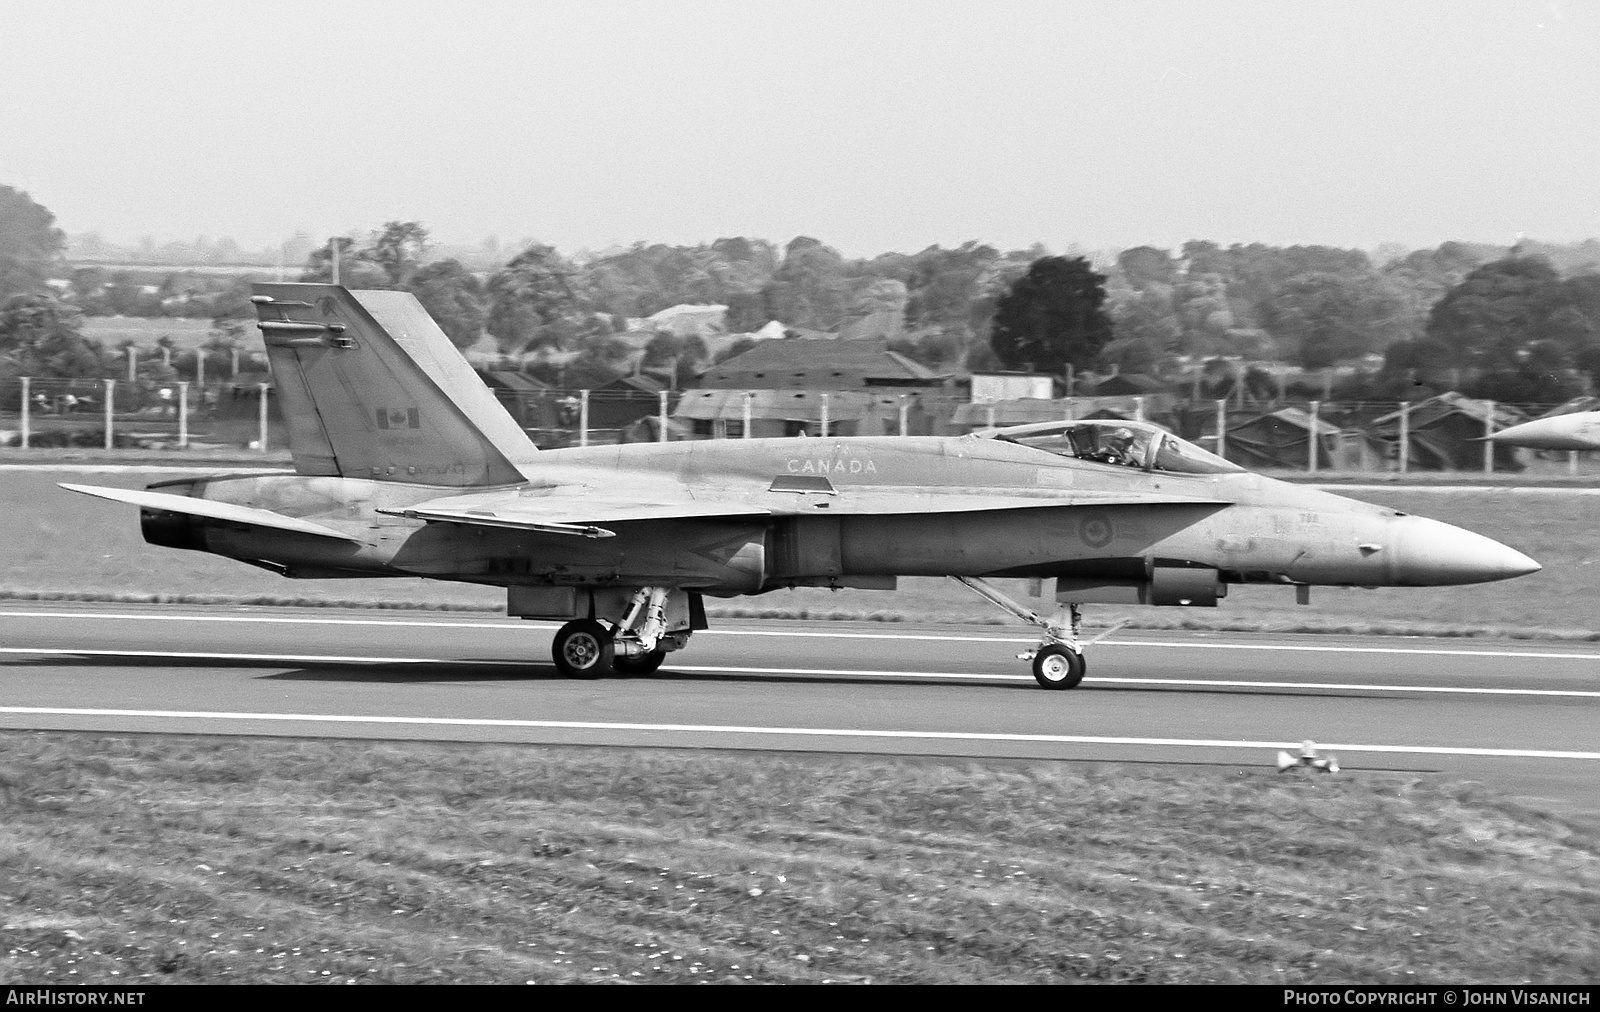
406	466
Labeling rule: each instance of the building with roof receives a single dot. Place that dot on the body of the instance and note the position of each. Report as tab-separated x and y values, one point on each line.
1282	440
1129	384
721	414
1445	433
819	365
684	321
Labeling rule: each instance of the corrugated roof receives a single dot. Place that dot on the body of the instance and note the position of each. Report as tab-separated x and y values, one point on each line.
788	405
520	382
1449	403
1293	416
857	361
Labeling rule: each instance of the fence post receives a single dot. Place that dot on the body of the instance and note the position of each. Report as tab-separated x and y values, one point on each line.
991	415
1222	428
905	408
1405	436
111	388
583	418
1488	430
261	416
1572	461
200	373
26	405
662	417
133	364
749	398
1138	408
1311	444
824	432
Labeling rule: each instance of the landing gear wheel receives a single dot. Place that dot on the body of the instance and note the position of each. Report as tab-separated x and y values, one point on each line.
643	664
1058	668
583	649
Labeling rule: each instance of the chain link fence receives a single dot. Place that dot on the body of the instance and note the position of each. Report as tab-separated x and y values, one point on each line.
1440	434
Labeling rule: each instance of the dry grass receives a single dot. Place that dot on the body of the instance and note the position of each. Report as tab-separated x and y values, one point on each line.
69	547
241	860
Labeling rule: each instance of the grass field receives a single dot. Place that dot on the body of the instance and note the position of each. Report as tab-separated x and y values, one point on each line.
65	545
186	333
130	859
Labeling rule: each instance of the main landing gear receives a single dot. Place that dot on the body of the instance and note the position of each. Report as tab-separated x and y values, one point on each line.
1058	659
587	648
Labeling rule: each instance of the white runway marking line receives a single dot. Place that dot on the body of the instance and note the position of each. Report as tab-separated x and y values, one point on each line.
802	634
816	732
697	669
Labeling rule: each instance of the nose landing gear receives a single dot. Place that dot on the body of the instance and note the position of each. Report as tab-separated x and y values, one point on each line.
1058	661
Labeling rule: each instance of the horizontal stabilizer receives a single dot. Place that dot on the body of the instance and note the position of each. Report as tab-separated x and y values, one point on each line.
211	509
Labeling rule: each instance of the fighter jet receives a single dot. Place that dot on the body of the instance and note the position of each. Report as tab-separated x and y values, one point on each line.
1578	430
406	466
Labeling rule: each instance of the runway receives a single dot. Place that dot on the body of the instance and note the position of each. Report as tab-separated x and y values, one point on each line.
1519	716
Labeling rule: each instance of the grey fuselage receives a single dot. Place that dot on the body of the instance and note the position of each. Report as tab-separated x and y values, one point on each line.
1246	527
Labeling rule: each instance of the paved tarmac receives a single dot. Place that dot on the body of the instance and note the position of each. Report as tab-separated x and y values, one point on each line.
1520	716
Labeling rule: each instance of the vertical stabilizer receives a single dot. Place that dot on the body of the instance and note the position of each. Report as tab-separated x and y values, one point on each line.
371	388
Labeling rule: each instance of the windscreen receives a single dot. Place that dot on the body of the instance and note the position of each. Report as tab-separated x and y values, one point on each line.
1120	443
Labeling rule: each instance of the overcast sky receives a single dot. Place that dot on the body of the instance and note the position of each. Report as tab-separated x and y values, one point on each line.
870	125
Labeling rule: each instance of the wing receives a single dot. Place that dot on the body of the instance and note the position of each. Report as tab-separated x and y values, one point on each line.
574	510
212	509
577	510
894	500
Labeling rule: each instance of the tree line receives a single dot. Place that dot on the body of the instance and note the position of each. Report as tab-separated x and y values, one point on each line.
1515	323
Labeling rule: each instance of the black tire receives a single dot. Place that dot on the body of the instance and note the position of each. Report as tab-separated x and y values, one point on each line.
1058	668
643	664
583	649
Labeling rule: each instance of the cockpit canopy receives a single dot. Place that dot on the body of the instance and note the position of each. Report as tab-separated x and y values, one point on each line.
1113	441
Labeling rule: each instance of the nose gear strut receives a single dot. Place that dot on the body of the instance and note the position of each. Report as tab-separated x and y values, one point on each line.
1058	661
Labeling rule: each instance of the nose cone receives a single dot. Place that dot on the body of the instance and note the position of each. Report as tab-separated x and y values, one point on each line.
1578	431
1432	554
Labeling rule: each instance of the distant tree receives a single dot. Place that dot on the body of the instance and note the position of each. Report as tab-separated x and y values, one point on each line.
684	357
1323	318
454	297
30	244
1144	266
356	268
398	249
1502	308
1052	316
534	301
1204	314
1131	354
600	362
810	287
233	302
1145	317
39	336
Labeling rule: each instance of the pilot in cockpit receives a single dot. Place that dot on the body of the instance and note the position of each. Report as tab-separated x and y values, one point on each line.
1120	447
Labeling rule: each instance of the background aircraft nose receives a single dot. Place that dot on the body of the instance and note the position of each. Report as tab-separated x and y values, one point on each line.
1580	431
1435	554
